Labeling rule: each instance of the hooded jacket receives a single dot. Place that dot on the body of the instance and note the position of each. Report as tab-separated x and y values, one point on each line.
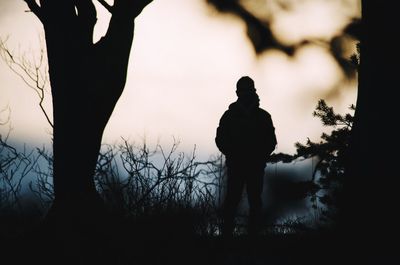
246	134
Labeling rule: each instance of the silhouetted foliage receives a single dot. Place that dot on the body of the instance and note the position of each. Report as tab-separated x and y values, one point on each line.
331	151
331	156
155	187
135	181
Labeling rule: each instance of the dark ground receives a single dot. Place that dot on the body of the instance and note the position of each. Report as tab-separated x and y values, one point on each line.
25	241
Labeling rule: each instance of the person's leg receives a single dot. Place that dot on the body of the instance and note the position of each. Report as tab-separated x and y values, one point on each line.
254	187
233	195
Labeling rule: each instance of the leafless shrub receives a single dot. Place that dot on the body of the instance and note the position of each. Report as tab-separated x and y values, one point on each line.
138	181
42	184
15	165
134	181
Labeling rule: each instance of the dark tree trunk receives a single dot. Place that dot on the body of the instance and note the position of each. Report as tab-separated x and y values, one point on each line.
369	205
87	80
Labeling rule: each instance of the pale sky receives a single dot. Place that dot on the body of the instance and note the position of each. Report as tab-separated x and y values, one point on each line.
184	65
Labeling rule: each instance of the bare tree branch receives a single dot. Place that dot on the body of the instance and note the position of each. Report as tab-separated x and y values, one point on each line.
87	18
33	73
106	5
35	8
7	120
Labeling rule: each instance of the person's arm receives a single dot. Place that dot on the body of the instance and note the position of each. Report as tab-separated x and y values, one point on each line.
222	136
271	140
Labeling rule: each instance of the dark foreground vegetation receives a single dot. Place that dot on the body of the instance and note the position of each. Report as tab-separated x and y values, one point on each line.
162	207
166	239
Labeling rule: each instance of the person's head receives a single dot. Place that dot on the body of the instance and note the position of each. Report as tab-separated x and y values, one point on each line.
244	86
246	91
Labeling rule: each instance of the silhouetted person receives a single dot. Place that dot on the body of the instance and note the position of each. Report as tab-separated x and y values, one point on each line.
246	136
